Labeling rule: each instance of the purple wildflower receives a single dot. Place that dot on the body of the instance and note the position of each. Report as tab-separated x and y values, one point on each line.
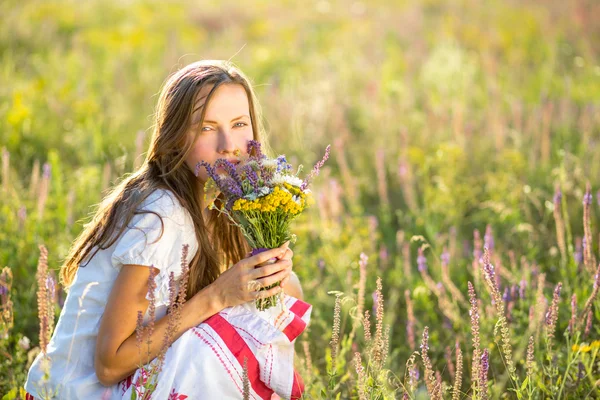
489	268
47	170
3	290
552	314
587	197
573	319
421	261
506	295
51	286
230	168
316	168
588	325
209	169
251	175
557	197
445	257
321	264
485	365
513	292
231	188
522	287
282	164
254	144
375	302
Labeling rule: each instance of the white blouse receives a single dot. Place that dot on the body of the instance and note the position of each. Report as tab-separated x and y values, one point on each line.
71	349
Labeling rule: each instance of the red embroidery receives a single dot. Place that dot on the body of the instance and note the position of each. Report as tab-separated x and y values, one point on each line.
239	348
176	396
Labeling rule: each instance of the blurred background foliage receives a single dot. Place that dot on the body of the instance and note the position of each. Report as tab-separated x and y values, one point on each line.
444	115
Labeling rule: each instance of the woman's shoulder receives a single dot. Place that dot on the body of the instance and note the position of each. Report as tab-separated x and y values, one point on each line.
165	203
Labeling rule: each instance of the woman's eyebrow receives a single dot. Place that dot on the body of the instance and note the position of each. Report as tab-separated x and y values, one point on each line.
235	119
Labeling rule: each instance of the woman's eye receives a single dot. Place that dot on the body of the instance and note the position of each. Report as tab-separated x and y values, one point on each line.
243	123
206	128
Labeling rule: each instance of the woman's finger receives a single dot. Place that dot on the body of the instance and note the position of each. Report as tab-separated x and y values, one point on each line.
269	280
260	258
270	269
289	253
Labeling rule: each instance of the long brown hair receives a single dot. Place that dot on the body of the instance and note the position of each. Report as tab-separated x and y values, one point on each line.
165	168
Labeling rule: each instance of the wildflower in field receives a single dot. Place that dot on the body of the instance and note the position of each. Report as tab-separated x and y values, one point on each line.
335	332
458	376
410	323
588	255
506	346
262	197
362	283
45	297
430	380
474	313
483	377
552	315
6	305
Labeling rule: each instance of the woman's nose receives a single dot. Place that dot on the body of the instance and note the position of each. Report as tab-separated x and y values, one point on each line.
226	142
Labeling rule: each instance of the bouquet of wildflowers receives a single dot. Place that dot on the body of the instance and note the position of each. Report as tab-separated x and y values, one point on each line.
262	197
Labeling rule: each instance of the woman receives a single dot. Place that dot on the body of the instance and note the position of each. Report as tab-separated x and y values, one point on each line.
207	110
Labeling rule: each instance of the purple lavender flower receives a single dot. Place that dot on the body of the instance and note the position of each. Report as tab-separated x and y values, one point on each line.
254	144
251	175
231	187
209	169
3	290
230	168
316	168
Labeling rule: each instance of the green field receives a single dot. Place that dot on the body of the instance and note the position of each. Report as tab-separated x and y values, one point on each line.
452	122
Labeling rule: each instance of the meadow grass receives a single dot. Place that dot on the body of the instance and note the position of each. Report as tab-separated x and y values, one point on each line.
464	170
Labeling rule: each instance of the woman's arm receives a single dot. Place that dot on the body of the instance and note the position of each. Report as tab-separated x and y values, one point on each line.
117	355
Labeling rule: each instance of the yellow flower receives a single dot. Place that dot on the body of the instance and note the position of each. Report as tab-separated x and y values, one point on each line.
574	347
586	348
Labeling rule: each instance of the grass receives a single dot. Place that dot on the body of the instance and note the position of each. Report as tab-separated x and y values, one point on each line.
453	123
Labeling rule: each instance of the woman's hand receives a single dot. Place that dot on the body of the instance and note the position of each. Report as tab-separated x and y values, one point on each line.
240	283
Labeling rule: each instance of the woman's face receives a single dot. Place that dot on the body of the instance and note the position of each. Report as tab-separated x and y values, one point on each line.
226	128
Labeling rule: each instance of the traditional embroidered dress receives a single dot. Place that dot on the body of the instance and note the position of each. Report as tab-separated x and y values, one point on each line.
207	361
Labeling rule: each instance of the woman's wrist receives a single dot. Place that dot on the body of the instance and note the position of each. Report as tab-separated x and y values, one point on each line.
204	304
